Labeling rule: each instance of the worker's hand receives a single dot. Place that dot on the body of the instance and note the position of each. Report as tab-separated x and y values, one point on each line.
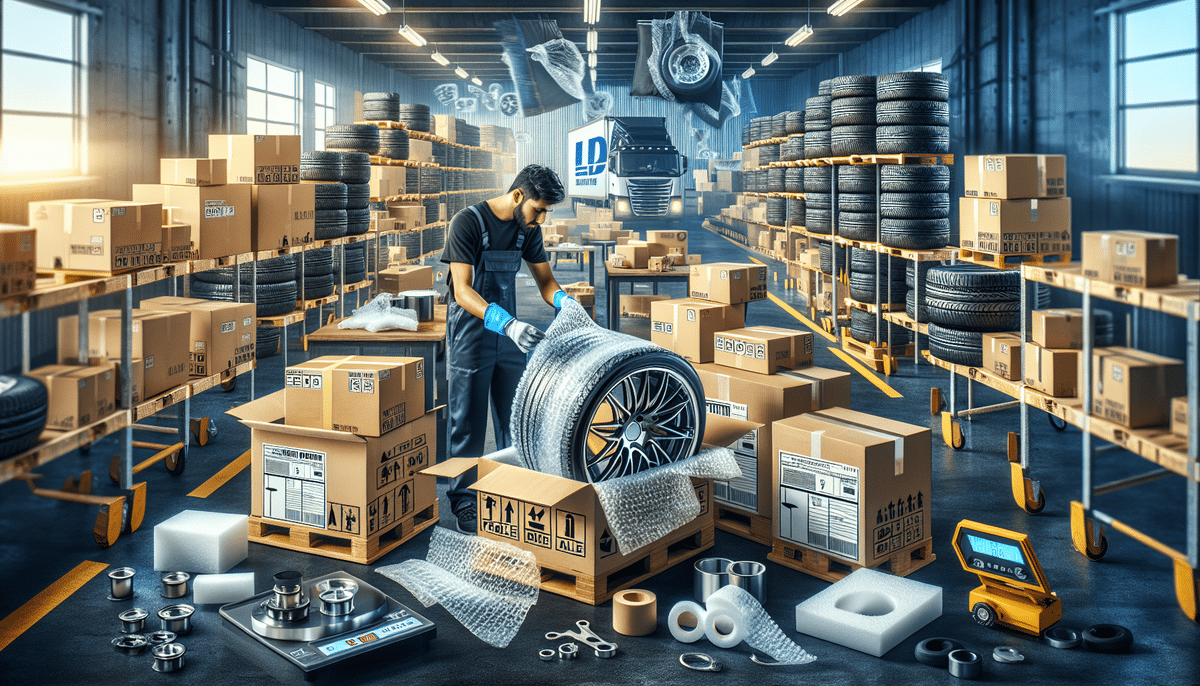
561	295
526	336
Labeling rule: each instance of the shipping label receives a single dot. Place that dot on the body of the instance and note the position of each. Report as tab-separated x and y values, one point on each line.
741	492
819	504
294	485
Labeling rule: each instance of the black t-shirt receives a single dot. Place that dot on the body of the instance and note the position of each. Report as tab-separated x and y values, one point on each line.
464	242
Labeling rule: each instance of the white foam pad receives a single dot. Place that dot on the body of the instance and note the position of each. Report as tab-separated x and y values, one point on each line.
214	589
869	611
203	542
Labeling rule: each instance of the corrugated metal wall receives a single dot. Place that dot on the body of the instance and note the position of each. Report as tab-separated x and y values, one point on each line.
1067	74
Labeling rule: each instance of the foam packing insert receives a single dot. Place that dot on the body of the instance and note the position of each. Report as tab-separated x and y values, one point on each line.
869	611
201	542
218	589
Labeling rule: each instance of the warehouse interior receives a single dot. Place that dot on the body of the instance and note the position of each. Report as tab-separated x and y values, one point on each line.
932	257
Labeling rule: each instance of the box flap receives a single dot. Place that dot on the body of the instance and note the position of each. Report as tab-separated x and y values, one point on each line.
266	409
452	467
267	414
720	431
527	485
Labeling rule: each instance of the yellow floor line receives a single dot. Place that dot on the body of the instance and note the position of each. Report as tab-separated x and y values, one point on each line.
805	320
867	374
222	477
24	617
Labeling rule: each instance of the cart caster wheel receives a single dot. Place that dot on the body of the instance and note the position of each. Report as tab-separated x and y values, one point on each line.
889	365
111	521
1036	506
175	463
135	509
936	403
1084	536
205	430
1058	424
984	614
1099	550
229	385
952	432
85	448
1187	589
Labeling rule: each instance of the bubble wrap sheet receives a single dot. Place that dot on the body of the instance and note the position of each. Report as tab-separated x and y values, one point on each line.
761	632
643	508
486	585
564	63
379	315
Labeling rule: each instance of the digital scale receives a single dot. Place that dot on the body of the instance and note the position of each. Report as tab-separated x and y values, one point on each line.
1015	592
317	623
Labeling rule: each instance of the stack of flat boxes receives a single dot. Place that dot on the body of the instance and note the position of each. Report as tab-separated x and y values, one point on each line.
1015	205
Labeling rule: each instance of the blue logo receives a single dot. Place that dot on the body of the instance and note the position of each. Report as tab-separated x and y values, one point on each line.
597	157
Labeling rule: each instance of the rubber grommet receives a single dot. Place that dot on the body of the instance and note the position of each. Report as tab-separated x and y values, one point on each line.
933	651
1063	638
1107	638
965	664
1007	654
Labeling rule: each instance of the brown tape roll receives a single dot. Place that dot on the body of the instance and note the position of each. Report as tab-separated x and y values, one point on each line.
635	612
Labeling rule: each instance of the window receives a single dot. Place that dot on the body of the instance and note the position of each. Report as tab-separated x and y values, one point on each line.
1155	90
934	66
272	98
326	113
43	131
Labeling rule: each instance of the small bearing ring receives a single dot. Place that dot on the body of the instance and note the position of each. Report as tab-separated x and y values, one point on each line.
1007	654
568	651
1063	638
546	655
965	664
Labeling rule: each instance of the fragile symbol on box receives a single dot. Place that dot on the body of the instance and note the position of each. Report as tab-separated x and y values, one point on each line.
499	516
343	518
535	525
570	533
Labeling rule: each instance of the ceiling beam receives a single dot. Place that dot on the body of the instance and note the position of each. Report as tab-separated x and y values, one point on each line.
513	9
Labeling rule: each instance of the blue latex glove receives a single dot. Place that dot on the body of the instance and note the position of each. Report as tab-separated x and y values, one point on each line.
561	295
526	336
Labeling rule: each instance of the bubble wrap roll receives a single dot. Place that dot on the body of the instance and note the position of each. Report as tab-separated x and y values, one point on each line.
643	508
761	632
486	585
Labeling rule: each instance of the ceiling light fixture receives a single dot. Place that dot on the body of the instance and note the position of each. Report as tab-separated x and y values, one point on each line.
841	7
410	34
799	36
591	11
748	73
440	58
462	73
593	78
377	7
593	40
592	60
770	59
475	80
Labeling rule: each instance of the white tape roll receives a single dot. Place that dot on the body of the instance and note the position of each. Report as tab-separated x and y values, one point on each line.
724	627
684	634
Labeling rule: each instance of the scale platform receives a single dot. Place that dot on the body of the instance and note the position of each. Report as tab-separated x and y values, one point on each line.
319	641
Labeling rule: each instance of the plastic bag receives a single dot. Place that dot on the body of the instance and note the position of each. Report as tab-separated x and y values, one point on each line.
379	315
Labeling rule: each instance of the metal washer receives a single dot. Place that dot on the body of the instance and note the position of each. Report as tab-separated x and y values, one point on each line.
546	655
568	651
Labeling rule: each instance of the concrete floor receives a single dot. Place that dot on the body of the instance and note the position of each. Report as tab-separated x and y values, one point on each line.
1132	586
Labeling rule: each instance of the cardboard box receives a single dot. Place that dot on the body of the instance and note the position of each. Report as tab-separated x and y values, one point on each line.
220	216
729	181
692	258
749	159
366	396
1010	177
852	485
18	259
728	283
283	215
638	306
830	387
192	172
1179	416
630	256
354	485
256	158
1054	372
97	235
665	263
1058	328
603	214
1015	226
689	326
1002	354
757	398
160	339
137	381
78	395
387	181
559	520
763	349
177	244
413	216
676	242
397	255
420	150
582	291
444	126
551	240
223	334
1131	258
406	278
655	249
1134	388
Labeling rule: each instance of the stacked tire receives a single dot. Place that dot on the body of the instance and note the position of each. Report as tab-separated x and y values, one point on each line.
276	293
912	113
817	127
862	329
863	277
775	180
852	115
964	302
825	250
381	106
779	125
793	179
777	209
818	186
795	122
792	149
352	138
916	272
768	154
356	174
857	213
414	116
393	144
319	279
23	406
915	206
321	166
355	257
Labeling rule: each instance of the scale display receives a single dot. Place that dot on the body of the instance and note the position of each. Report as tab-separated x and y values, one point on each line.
995	556
382	632
1003	551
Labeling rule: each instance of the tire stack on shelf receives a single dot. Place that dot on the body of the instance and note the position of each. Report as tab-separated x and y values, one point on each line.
431	184
915	206
818	186
817	125
795	122
319	279
779	125
325	168
852	115
857	214
792	149
356	174
777	209
768	153
914	272
24	403
276	293
355	255
825	249
862	277
912	114
381	107
352	138
964	301
415	117
393	144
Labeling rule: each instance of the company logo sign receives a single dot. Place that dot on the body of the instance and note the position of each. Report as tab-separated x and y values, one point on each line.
597	157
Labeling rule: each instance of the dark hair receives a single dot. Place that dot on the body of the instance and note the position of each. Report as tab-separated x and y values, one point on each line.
539	183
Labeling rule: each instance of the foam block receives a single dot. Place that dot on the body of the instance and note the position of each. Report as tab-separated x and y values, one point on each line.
869	611
214	589
203	542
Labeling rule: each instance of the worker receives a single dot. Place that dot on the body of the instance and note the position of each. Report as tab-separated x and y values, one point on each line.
487	344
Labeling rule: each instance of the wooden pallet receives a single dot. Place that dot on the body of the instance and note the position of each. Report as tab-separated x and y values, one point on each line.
833	569
741	523
651	560
379	161
873	308
358	549
1012	261
384	123
875	356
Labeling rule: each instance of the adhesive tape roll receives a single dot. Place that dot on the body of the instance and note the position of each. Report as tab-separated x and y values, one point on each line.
724	627
684	634
635	612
